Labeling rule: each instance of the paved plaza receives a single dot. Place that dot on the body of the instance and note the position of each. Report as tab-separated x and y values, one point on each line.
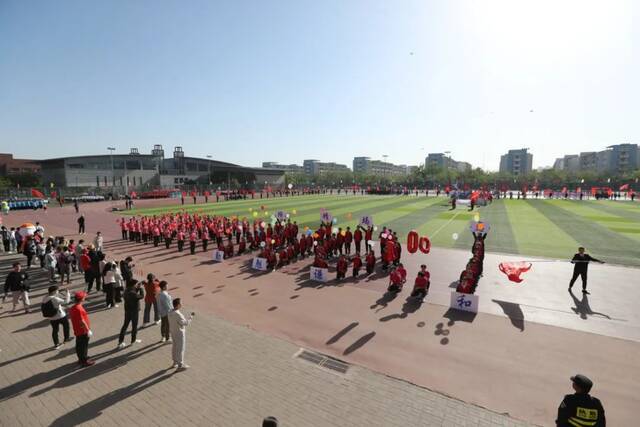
408	365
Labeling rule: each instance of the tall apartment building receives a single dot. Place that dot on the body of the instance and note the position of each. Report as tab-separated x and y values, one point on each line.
316	167
377	167
441	160
517	162
570	163
286	168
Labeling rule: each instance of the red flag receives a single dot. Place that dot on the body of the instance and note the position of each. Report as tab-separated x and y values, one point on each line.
513	270
624	187
36	193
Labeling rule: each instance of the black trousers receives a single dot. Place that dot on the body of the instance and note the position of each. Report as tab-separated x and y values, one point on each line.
80	228
7	245
204	245
124	234
156	241
82	347
583	276
129	317
109	295
167	242
164	327
180	245
55	329
192	247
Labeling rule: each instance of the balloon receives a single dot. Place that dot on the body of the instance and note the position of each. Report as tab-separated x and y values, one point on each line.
295	211
476	217
290	186
384	235
343	233
240	228
255	214
315	235
334	230
266	212
273	242
375	228
287	216
335	220
262	224
305	228
315	243
263	244
455	236
309	232
250	209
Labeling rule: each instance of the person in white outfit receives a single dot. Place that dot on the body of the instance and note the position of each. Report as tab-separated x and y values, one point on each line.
178	329
60	316
98	242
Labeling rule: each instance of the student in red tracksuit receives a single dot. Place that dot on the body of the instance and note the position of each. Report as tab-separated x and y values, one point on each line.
371	262
341	268
395	281
348	238
303	246
282	258
421	285
357	264
228	250
180	240
192	241
403	273
205	239
357	238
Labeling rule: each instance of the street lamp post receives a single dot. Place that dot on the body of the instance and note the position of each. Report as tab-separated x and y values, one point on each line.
113	177
209	168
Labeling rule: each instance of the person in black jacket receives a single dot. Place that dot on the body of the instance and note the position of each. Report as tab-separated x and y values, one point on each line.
81	224
16	283
132	296
580	263
580	408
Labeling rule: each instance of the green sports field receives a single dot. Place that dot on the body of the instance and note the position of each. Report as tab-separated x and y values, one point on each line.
550	228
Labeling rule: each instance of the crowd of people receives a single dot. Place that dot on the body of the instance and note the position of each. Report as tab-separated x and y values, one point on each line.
473	271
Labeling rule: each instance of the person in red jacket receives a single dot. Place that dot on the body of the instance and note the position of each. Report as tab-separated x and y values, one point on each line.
81	329
348	238
420	286
205	239
228	250
339	240
193	236
282	258
388	255
180	240
151	291
395	281
303	246
357	264
341	268
319	262
357	238
291	256
403	273
371	262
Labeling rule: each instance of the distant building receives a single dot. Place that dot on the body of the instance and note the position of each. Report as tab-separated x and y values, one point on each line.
603	161
286	168
569	163
11	166
517	162
441	160
377	167
141	171
588	160
316	167
624	157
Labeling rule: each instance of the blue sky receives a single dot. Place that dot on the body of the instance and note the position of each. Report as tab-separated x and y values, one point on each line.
253	81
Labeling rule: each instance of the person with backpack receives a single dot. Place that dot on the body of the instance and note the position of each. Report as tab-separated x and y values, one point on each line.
53	309
16	283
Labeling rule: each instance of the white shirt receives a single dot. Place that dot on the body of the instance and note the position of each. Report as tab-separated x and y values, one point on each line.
177	321
58	303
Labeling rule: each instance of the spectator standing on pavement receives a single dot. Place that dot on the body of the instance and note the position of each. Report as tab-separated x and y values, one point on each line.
580	263
110	282
75	206
13	241
132	296
16	282
580	409
77	252
81	329
5	233
98	242
50	263
165	305
81	224
178	329
151	291
57	303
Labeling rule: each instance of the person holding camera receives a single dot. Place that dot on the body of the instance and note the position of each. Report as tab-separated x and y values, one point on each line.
178	328
132	296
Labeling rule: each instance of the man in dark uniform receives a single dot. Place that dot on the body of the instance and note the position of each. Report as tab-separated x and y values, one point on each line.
580	409
580	263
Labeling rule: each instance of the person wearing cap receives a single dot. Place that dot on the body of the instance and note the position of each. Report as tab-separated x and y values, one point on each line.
580	409
81	328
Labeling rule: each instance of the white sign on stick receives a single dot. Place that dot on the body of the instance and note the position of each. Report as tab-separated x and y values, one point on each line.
319	274
464	302
259	264
218	255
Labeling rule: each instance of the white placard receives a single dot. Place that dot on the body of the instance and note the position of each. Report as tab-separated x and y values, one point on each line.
464	302
367	220
319	274
218	256
259	264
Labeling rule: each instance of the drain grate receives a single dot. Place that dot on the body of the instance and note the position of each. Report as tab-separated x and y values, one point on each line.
323	361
